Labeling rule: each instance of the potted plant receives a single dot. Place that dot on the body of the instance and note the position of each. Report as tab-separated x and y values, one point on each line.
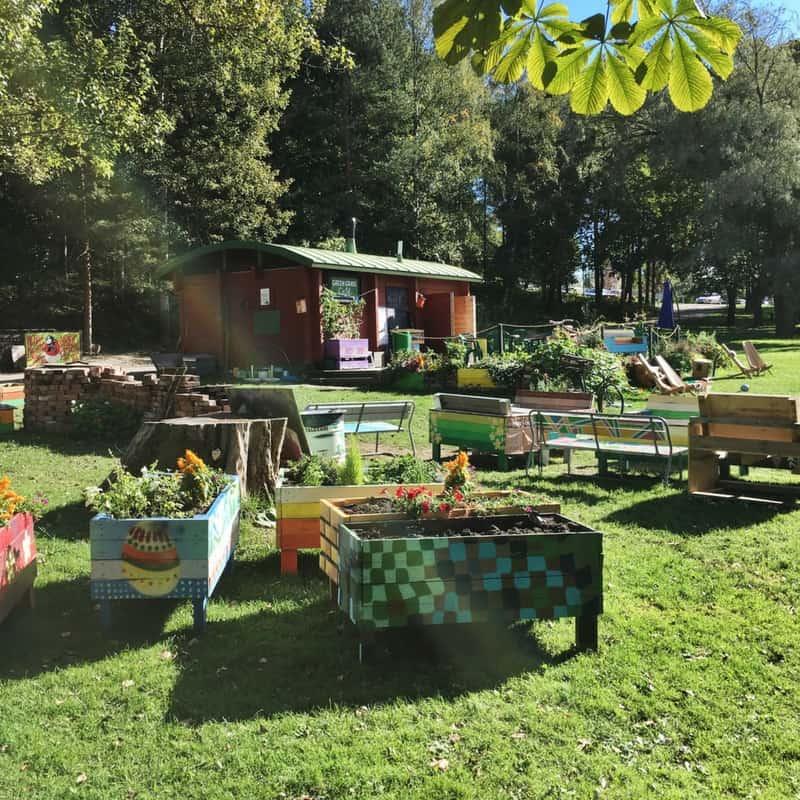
314	478
163	535
341	326
456	499
18	515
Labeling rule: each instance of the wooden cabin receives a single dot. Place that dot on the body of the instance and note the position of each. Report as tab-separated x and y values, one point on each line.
248	302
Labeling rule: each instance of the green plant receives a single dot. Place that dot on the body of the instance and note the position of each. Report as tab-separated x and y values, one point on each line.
97	418
352	471
157	493
340	320
313	470
403	469
509	369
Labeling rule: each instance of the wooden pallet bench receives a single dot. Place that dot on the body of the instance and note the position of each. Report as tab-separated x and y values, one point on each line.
611	437
374	417
752	430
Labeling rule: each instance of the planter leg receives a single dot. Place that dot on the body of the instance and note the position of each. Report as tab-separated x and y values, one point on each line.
436	452
586	632
502	462
377	441
199	607
228	571
366	645
105	614
288	562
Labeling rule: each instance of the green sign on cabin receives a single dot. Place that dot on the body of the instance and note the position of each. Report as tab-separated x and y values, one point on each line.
267	322
343	286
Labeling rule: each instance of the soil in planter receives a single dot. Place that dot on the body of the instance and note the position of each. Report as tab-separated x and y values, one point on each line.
370	505
537	525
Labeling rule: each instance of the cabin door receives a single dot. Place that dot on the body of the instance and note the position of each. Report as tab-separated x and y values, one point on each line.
398	307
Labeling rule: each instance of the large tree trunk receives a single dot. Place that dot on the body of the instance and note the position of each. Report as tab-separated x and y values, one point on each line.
249	448
785	315
732	291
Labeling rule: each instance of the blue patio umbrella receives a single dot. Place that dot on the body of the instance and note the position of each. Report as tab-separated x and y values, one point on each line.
665	316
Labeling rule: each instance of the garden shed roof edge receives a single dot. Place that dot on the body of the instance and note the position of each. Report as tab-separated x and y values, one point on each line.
329	259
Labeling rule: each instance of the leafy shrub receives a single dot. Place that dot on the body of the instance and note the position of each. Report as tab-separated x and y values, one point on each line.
403	469
102	419
155	493
340	320
414	361
352	471
679	352
313	470
509	369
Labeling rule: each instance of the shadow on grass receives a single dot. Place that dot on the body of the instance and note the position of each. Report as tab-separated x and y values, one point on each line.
277	662
65	445
687	515
69	522
63	630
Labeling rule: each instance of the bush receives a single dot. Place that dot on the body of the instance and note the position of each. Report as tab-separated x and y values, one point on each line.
352	471
103	419
315	470
404	469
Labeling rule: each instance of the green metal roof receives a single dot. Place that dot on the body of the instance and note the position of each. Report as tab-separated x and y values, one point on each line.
329	259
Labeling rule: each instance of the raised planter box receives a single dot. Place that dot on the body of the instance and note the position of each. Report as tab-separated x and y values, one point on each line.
6	418
475	377
409	382
17	562
347	354
441	575
298	514
159	557
333	515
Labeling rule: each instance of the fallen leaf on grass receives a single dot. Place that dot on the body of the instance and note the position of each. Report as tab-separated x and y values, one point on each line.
82	778
519	735
453	738
584	744
128	683
167	655
440	764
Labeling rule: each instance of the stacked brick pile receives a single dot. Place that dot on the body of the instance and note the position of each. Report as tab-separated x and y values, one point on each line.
50	393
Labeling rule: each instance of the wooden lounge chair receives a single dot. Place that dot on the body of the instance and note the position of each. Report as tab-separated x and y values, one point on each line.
675	380
658	377
757	363
743	368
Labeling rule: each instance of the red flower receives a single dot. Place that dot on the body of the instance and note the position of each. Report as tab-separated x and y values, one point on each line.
400	492
458	495
444	507
426	506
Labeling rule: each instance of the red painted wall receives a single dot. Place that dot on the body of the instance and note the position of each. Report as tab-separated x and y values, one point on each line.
217	309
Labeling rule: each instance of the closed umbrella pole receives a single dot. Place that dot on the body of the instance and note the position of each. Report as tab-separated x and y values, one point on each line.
666	318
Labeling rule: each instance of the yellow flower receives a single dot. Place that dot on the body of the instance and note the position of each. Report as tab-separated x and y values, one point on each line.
191	463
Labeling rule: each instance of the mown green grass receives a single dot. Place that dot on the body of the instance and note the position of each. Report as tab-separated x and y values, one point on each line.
695	691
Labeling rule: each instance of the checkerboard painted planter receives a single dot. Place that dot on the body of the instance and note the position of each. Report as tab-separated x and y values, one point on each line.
159	557
298	514
17	563
333	516
436	580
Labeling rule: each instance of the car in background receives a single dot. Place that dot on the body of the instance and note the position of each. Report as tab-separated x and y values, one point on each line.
712	299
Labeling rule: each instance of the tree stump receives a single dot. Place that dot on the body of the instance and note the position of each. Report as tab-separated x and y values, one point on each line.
249	448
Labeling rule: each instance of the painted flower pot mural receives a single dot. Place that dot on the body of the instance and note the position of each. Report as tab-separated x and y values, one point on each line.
17	546
495	569
180	556
17	562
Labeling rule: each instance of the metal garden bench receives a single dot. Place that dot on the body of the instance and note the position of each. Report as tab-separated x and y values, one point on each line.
374	417
620	438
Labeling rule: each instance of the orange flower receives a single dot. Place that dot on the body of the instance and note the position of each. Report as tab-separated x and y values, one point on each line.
191	463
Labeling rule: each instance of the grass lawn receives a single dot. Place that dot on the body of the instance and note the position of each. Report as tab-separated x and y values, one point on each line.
695	692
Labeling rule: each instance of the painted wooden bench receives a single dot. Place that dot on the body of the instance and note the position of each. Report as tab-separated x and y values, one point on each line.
624	340
619	438
554	401
677	410
374	417
481	424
